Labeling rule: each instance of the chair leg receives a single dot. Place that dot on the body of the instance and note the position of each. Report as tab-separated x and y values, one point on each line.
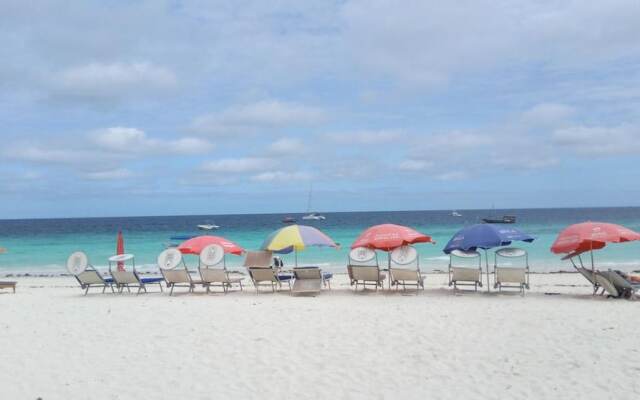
86	290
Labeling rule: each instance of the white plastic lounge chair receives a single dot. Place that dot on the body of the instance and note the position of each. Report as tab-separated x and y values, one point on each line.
513	276
363	268
127	279
258	263
405	268
174	271
86	275
213	270
465	275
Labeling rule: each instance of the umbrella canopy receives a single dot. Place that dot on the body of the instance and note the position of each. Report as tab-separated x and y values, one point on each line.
389	236
586	236
120	249
296	237
196	244
485	236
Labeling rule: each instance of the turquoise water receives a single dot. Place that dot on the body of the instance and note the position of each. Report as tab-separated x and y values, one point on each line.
43	245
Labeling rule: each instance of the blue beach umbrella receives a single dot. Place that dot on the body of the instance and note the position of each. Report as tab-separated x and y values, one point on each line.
485	236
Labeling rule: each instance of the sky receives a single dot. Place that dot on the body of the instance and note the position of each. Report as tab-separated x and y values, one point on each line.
117	108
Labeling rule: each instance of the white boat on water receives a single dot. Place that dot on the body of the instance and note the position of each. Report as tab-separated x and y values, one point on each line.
208	227
312	216
455	214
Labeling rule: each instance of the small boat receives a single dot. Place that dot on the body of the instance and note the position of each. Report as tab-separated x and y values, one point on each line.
506	219
208	227
455	214
288	220
314	216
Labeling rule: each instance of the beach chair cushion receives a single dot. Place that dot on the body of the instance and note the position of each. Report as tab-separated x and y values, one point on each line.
511	275
124	277
91	277
177	276
603	282
366	273
404	274
460	274
151	280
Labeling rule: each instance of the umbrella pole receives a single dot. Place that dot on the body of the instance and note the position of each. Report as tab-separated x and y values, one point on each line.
486	260
389	267
295	253
593	271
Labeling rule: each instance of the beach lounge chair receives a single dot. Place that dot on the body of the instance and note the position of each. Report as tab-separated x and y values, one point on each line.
87	276
363	268
174	271
8	284
460	275
213	270
124	279
512	276
310	280
405	268
262	273
622	285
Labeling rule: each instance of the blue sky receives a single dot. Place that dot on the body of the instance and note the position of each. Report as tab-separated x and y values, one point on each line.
153	108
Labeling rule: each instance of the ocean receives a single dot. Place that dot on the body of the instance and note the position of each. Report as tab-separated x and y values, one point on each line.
41	246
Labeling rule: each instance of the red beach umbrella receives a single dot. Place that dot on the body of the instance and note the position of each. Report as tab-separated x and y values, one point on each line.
196	244
587	236
389	236
120	250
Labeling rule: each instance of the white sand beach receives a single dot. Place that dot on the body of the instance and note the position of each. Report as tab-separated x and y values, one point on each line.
58	344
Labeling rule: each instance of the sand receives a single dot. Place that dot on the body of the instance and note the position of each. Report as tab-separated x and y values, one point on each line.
58	344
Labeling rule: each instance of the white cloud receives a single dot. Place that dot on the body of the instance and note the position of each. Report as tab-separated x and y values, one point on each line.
599	140
133	140
38	154
546	114
453	176
237	165
415	165
286	147
100	81
113	174
365	137
280	176
250	118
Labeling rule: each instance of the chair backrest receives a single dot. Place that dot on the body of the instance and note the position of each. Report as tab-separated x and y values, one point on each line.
617	280
90	277
404	274
404	258
465	259
587	274
213	274
362	256
365	273
604	283
124	277
77	263
172	266
258	259
307	273
261	274
511	275
465	274
513	255
211	255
